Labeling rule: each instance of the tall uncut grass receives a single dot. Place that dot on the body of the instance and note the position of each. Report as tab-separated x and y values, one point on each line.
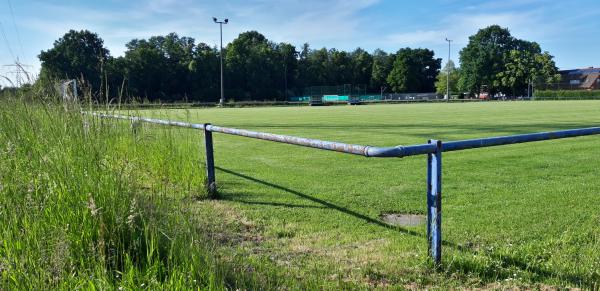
89	203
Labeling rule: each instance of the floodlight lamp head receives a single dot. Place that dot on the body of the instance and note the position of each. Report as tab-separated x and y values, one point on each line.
215	19
226	20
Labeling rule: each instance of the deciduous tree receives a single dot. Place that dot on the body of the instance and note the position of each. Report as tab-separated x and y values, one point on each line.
414	70
78	54
382	66
483	58
441	82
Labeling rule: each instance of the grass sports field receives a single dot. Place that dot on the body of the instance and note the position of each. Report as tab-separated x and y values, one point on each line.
91	204
512	215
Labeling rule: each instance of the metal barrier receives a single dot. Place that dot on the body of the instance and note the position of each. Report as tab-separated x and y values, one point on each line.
433	149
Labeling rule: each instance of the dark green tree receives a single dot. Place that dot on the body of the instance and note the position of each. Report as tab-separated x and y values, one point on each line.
158	68
287	65
76	55
484	58
144	72
382	66
204	70
526	66
496	62
250	64
414	70
362	66
114	80
314	67
339	68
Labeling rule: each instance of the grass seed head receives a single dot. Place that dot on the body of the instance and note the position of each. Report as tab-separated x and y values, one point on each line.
92	205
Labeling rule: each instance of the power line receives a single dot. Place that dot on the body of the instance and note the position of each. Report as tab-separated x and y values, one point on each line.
7	42
16	29
21	74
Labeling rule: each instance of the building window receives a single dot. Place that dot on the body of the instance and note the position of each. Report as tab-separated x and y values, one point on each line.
574	82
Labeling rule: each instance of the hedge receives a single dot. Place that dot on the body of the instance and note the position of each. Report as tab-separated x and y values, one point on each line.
566	95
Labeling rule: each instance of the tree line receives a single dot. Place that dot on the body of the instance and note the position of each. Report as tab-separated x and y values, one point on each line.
496	62
175	68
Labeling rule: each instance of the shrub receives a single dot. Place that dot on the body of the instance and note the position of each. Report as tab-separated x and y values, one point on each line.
566	94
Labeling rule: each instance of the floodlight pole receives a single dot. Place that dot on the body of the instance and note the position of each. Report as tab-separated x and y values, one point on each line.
222	100
448	72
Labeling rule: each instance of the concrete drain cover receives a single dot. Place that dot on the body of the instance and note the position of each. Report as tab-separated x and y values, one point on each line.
401	219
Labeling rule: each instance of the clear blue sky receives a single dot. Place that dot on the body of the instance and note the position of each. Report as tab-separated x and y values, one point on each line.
567	29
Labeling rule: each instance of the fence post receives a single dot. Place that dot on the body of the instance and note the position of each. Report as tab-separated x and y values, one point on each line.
434	202
211	184
74	84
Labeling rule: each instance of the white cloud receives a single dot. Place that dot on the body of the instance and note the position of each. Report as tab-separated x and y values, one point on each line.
459	27
416	38
496	5
294	21
301	21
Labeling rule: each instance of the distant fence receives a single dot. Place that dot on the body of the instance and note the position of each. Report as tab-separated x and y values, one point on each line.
343	90
433	149
412	96
368	97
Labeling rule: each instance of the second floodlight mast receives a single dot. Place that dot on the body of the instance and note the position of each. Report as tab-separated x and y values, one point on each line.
222	100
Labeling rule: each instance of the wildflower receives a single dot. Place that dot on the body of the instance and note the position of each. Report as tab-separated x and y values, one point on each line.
130	220
92	205
132	213
10	148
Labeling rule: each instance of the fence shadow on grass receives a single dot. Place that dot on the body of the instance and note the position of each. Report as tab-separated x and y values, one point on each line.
489	274
326	204
289	205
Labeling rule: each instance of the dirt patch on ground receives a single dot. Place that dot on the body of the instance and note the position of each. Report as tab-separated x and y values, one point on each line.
401	219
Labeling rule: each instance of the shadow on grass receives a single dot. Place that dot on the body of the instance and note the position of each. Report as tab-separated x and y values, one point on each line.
322	202
538	274
289	205
489	274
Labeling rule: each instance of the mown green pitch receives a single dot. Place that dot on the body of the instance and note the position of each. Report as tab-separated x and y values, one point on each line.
523	214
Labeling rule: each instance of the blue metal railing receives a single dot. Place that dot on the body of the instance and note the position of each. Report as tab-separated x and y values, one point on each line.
433	149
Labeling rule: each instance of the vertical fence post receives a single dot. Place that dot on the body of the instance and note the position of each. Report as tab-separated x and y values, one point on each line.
211	184
434	202
74	84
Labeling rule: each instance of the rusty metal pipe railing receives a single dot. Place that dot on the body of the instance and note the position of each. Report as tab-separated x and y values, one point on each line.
519	138
301	141
149	120
361	150
433	150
